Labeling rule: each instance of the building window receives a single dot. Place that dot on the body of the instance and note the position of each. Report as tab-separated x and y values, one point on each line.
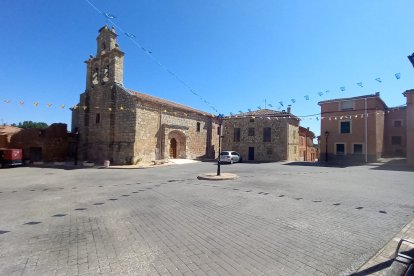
251	120
358	148
347	105
251	131
396	140
346	127
267	134
397	123
236	137
198	126
98	118
340	149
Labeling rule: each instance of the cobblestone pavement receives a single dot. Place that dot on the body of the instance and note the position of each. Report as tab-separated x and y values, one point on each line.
275	219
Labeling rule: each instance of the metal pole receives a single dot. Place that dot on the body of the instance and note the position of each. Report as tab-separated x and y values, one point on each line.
366	132
219	149
76	148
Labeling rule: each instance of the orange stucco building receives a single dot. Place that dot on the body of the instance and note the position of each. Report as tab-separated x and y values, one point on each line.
364	128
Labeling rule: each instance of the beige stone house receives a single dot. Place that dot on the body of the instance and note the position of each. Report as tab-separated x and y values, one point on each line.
263	135
124	126
364	128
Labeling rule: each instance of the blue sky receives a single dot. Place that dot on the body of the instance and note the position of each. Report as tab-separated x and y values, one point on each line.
234	54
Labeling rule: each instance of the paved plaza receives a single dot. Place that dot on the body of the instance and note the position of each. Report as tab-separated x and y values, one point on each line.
275	219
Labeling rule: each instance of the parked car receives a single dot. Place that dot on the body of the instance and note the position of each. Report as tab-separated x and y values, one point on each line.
10	157
230	157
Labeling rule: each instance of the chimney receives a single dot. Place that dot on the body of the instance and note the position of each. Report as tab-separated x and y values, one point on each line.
289	109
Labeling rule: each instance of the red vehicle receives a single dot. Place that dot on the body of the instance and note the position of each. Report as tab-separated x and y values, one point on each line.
10	157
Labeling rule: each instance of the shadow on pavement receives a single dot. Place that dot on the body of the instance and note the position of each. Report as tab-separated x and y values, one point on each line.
392	164
381	266
398	164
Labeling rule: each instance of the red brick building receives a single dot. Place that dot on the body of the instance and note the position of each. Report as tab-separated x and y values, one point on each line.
52	144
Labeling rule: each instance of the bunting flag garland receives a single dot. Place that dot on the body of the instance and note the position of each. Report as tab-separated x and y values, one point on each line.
378	80
320	93
130	35
49	105
62	106
36	104
259	107
342	88
360	84
7	101
397	76
269	105
21	103
109	16
281	103
293	100
307	97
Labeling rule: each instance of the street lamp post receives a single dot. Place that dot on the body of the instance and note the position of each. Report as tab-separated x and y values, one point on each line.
326	145
220	119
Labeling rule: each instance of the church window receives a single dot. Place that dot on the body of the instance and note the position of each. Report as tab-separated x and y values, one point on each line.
98	118
198	126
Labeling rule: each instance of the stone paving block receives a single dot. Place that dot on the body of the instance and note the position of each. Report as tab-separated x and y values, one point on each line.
185	228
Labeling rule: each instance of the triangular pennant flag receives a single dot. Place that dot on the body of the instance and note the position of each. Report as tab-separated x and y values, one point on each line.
130	35
109	16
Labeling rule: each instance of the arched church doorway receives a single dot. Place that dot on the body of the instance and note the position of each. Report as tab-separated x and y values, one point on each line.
173	148
176	144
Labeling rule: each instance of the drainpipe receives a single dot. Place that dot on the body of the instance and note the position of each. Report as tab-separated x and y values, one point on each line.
366	132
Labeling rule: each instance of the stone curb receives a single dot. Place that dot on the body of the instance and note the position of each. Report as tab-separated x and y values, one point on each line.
214	176
386	254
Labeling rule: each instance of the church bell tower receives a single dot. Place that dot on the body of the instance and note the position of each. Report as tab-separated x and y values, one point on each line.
107	67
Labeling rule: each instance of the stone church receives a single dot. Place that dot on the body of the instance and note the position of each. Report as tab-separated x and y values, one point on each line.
124	126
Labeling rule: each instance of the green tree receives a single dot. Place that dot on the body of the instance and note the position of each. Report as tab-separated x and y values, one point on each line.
31	124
